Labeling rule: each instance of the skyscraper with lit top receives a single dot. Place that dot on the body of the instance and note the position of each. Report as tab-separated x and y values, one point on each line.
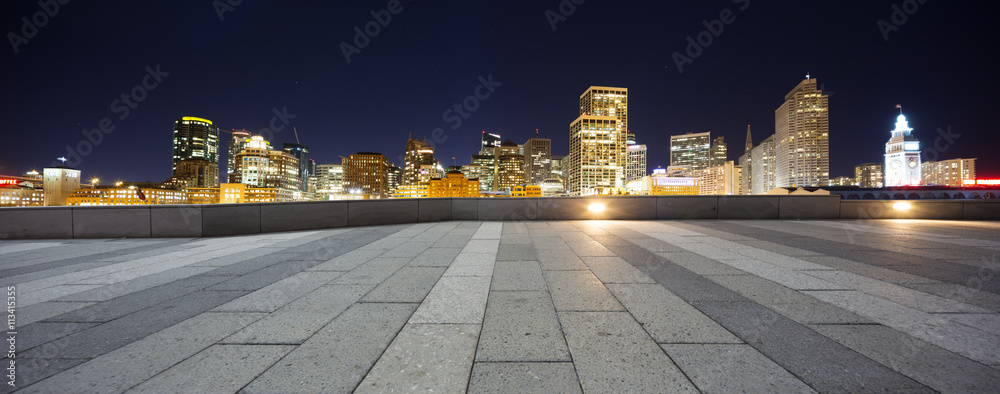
802	137
598	153
195	138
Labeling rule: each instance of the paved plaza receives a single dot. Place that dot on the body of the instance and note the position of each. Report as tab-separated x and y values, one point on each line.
579	306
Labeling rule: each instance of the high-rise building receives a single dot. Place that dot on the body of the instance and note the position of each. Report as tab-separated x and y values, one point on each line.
595	159
763	159
490	141
481	168
59	183
691	149
196	173
329	180
195	138
366	175
509	166
746	163
260	167
948	172
902	156
301	152
537	160
869	175
719	152
394	175
802	137
721	180
635	167
236	145
418	154
558	167
598	154
842	181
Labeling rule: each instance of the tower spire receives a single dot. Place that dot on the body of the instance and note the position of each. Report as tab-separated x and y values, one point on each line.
749	145
900	106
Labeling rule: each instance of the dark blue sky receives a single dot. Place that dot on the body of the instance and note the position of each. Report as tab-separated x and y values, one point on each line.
939	65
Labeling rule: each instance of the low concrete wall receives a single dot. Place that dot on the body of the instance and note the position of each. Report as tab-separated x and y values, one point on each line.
194	221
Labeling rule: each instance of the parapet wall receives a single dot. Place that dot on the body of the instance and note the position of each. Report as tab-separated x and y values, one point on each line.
161	221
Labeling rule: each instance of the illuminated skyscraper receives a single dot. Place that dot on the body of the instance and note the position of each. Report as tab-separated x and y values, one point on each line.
691	149
598	153
196	173
259	166
636	162
719	152
802	137
490	141
948	172
762	158
195	138
509	167
481	167
869	175
329	179
537	160
236	145
902	156
746	163
418	155
366	175
301	152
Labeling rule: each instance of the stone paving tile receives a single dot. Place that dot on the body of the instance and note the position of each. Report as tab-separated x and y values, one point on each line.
964	294
375	271
347	261
517	275
45	310
589	248
521	326
898	294
200	373
276	295
128	287
37	296
935	367
338	357
615	270
733	369
612	353
579	291
560	260
128	366
299	320
667	318
516	253
455	300
124	305
549	242
409	284
36	334
485	246
882	274
435	257
425	357
526	377
700	265
489	230
472	264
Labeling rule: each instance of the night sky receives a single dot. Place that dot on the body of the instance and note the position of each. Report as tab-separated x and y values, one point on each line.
261	57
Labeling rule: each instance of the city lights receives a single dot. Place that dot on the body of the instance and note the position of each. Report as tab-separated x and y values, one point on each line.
901	206
596	207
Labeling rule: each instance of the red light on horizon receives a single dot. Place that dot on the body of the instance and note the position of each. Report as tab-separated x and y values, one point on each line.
8	181
981	182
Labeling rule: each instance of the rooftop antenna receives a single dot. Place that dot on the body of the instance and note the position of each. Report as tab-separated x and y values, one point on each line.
296	136
536	133
900	106
807	75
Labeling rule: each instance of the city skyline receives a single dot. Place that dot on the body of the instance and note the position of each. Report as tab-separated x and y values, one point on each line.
340	108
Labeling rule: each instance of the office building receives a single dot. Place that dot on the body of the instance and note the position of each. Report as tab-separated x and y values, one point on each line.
490	141
537	160
453	184
237	143
366	175
481	168
195	138
902	156
419	155
746	163
762	164
558	169
598	151
691	149
802	137
842	181
195	173
869	175
509	166
553	187
719	153
635	163
723	180
329	180
258	166
394	176
24	191
301	152
526	191
126	196
948	172
59	183
232	193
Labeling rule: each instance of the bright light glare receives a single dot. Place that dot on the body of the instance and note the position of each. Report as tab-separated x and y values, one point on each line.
901	206
596	207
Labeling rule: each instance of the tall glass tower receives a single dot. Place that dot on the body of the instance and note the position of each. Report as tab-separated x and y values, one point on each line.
195	138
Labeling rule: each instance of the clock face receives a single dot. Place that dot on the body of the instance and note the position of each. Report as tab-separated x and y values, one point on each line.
913	164
896	164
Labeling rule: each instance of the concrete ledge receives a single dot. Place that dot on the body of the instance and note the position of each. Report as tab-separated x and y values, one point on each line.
808	207
748	207
292	216
379	212
169	221
237	219
111	222
230	219
434	209
508	209
687	207
36	222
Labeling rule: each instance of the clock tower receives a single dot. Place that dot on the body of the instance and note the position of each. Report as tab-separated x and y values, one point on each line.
902	155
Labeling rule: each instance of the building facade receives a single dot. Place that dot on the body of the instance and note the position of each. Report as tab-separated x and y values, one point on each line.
237	143
510	166
329	180
126	196
635	166
691	149
952	172
453	184
195	138
58	184
481	168
597	155
902	156
301	152
719	153
366	175
802	137
195	173
723	180
762	163
869	175
537	160
419	154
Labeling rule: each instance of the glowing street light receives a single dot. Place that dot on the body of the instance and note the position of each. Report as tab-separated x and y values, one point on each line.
901	206
596	207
